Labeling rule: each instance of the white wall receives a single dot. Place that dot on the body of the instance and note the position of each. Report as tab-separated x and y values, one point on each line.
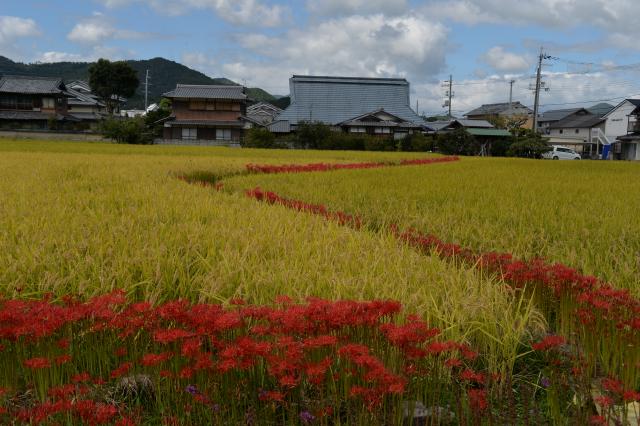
618	120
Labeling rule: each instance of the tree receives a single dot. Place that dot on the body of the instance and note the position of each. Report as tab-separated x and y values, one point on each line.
128	130
312	135
112	81
259	137
153	117
458	142
527	144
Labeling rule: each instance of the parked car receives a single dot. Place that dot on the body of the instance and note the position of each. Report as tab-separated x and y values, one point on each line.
561	153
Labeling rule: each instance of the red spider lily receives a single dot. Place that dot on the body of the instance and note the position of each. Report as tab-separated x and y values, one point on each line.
81	378
549	342
275	396
598	421
613	386
37	363
478	399
170	335
324	167
121	370
604	401
63	359
149	360
471	376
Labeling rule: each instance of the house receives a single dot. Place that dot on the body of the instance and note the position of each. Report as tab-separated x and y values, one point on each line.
628	146
84	105
548	118
376	106
477	128
34	103
207	113
580	130
263	112
505	110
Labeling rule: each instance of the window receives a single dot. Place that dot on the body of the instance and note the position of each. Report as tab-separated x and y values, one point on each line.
382	130
561	131
224	106
189	134
577	131
48	103
223	134
358	130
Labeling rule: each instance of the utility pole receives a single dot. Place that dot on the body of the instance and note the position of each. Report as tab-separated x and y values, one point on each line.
417	107
450	92
448	84
511	96
146	92
536	105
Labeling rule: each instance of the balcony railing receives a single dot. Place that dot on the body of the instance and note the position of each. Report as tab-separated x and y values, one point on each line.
634	126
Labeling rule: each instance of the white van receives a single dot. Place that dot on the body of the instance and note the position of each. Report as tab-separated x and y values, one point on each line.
561	153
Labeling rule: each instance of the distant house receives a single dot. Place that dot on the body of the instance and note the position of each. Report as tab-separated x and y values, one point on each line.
34	103
478	128
505	109
207	113
628	145
84	104
263	112
550	117
376	106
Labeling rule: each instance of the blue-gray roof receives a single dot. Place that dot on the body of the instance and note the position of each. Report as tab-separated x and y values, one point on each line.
333	100
31	85
192	91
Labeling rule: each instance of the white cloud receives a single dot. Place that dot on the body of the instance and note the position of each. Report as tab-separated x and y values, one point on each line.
12	29
98	29
503	61
348	7
53	56
239	12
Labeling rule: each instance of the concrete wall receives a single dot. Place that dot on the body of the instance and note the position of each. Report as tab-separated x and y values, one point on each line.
618	121
61	136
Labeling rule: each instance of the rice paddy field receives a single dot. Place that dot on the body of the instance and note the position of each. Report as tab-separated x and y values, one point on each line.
177	285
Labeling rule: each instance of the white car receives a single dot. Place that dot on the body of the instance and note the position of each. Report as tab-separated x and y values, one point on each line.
561	153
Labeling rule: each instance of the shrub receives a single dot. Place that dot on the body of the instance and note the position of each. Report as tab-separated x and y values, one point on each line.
458	142
260	138
129	131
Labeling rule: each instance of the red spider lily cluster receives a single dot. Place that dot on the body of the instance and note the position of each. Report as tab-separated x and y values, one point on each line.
78	361
326	167
607	320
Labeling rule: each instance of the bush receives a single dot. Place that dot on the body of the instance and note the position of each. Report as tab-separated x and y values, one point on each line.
129	130
527	144
458	142
417	142
260	138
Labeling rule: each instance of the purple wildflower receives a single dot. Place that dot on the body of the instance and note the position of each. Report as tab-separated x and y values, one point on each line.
306	417
192	389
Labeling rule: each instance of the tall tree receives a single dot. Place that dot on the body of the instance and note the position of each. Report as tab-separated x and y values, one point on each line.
112	81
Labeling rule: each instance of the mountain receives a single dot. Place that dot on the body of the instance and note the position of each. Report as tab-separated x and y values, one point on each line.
164	75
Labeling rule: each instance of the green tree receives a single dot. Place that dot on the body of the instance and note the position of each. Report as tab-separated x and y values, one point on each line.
458	142
259	137
112	81
312	135
527	144
152	119
128	130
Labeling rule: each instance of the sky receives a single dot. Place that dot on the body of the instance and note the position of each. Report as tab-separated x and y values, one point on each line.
592	45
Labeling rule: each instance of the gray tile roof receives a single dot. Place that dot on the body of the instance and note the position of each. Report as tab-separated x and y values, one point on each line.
79	98
333	100
601	109
282	126
190	91
578	120
475	123
499	108
31	85
557	114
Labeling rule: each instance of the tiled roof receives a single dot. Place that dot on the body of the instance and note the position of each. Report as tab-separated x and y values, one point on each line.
475	123
79	98
332	100
489	132
31	85
494	109
557	114
281	126
189	91
579	120
601	109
